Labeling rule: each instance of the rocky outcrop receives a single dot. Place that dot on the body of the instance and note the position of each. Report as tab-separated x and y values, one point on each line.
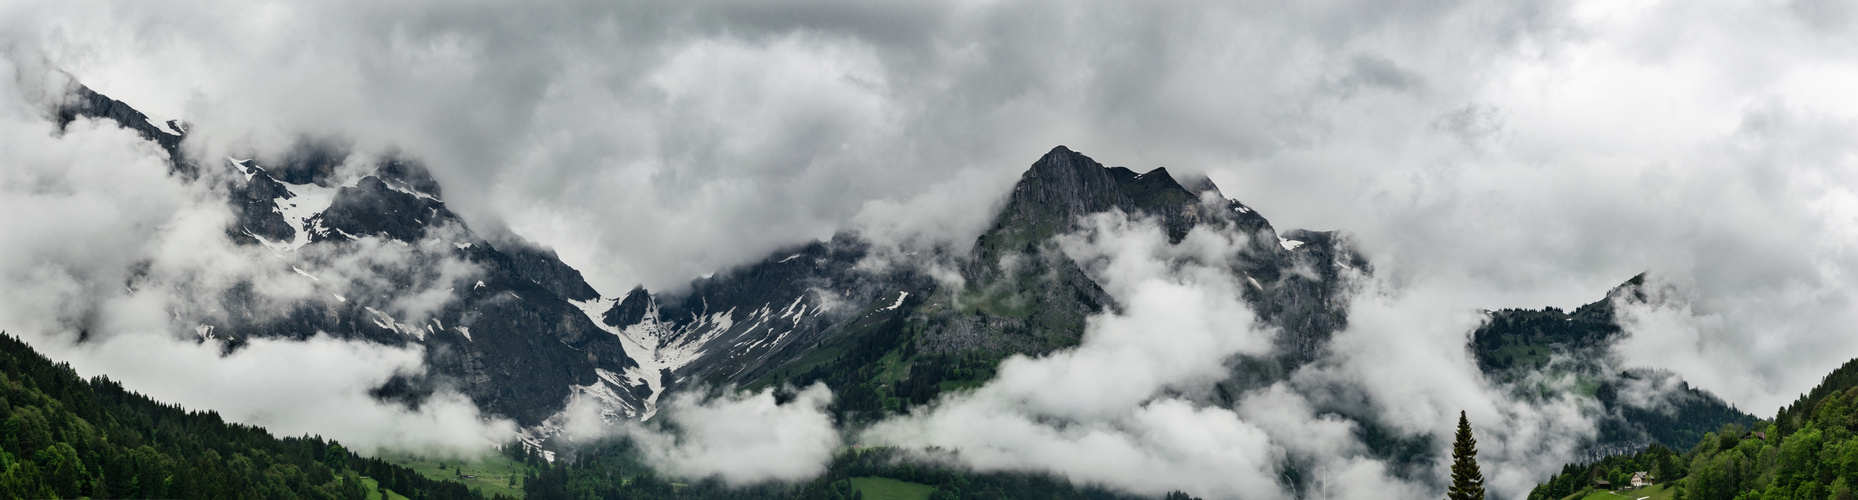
81	101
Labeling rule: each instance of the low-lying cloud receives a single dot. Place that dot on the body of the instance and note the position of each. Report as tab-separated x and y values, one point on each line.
742	438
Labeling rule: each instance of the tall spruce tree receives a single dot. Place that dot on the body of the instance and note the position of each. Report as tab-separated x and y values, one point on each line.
1467	482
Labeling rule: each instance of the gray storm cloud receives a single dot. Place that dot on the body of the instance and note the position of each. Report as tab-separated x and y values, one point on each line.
656	142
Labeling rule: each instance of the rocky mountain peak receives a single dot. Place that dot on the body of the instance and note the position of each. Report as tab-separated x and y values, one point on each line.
1060	186
1063	186
629	310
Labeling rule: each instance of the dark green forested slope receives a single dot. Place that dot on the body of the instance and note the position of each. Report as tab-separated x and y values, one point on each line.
1809	451
1517	346
66	437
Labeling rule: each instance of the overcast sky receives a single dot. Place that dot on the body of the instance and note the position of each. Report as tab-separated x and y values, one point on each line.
1520	154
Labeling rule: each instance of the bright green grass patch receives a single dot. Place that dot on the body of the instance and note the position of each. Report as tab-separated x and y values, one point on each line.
374	490
1656	492
884	488
493	472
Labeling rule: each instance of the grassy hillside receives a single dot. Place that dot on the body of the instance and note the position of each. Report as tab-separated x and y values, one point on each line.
488	476
883	488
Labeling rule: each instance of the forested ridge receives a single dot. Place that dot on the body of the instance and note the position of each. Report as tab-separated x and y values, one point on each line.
1517	347
1808	451
67	437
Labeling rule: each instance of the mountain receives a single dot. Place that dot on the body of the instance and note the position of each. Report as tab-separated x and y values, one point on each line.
522	333
66	437
1516	345
514	333
888	339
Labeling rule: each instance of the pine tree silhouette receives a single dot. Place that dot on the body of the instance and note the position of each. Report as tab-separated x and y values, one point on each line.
1467	482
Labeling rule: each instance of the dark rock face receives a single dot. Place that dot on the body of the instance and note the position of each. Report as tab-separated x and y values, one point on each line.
311	161
255	204
631	309
83	102
525	351
410	174
371	208
540	265
1059	188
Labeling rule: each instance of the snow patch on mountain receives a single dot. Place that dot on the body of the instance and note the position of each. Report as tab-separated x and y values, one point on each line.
397	186
1289	244
239	165
691	341
590	409
306	201
899	303
642	348
306	274
606	396
387	321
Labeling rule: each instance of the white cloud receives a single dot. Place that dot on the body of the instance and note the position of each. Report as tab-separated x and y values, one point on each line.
743	438
319	386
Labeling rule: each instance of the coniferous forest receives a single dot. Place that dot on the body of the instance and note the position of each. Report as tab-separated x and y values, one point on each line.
67	437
